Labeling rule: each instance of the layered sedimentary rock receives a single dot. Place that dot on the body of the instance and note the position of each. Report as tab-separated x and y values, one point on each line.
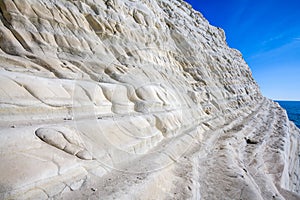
127	99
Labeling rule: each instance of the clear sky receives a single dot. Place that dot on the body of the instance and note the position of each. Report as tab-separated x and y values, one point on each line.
267	32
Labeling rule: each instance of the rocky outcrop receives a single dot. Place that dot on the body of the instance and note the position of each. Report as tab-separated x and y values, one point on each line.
134	100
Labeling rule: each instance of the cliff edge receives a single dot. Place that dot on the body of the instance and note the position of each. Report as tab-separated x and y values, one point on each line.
134	99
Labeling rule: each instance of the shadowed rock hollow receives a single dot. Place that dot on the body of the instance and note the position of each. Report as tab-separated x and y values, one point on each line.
128	99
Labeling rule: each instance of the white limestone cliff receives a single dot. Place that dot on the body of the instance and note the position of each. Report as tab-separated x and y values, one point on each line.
134	99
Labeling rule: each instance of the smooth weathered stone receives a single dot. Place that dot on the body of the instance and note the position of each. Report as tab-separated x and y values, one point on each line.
130	99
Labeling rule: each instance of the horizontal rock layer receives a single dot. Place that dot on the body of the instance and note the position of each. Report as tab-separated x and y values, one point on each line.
134	100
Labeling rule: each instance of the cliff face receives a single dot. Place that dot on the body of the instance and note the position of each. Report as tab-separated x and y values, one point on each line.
134	100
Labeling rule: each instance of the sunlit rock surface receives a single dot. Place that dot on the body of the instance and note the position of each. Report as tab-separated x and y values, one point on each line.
131	99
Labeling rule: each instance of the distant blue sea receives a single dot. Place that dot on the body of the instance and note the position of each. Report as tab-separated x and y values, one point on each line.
293	110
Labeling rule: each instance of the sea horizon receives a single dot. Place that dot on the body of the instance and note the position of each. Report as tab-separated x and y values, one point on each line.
284	100
293	110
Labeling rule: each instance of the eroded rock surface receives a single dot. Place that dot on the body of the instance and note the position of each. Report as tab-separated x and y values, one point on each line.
64	139
127	99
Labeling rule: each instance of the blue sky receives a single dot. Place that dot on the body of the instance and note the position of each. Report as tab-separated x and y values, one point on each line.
267	32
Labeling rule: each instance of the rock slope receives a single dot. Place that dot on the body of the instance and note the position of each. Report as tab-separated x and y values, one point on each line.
134	99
